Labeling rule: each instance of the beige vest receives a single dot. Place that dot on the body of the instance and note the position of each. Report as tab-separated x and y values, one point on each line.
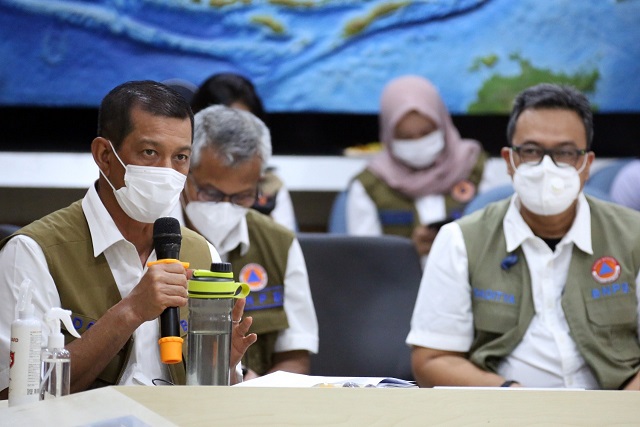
268	252
86	285
397	213
602	317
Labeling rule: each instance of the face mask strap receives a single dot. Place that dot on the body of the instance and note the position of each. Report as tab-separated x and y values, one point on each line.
584	164
513	165
117	157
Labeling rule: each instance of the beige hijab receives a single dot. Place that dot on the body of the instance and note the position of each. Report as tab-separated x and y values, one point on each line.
413	93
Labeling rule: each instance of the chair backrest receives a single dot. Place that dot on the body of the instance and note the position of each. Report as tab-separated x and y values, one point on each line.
7	230
602	179
492	195
338	215
364	291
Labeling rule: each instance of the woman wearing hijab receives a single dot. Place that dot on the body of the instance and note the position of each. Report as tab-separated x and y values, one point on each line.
426	173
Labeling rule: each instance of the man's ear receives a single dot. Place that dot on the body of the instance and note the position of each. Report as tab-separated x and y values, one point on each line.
100	149
505	153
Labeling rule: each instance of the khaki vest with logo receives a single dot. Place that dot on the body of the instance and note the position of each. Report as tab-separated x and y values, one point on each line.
602	317
269	248
397	213
86	285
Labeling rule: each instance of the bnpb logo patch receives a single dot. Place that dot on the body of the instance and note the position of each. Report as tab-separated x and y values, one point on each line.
605	269
255	276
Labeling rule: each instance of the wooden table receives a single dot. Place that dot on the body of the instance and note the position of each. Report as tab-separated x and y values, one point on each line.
232	406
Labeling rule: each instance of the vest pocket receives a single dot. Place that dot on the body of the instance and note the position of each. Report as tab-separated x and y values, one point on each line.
494	317
614	321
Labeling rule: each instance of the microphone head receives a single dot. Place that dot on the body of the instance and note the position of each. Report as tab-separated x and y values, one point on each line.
167	238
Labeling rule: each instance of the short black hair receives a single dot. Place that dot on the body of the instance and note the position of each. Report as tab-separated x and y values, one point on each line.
114	116
546	95
225	89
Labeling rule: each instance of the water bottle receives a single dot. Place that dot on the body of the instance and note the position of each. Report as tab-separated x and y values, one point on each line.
212	295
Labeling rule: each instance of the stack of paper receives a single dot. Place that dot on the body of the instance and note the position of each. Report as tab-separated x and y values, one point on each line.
287	379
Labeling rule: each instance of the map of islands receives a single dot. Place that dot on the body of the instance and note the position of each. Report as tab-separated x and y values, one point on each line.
497	93
322	55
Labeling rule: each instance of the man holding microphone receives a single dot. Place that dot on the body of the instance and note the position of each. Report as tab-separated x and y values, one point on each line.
92	256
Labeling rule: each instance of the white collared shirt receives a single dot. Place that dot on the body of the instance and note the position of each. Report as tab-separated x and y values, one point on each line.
23	258
547	356
302	333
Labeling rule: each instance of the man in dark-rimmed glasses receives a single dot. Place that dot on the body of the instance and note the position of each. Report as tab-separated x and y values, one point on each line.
538	290
230	151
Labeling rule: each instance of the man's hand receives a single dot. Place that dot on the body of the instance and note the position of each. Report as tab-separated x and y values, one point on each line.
240	341
422	237
162	286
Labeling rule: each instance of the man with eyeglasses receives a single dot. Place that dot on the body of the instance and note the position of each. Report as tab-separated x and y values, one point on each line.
538	290
231	149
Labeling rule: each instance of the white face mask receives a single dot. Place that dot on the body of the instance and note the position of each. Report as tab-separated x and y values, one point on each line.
546	189
421	152
149	192
215	221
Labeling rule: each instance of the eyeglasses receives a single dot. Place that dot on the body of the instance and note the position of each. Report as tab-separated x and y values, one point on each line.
561	156
209	193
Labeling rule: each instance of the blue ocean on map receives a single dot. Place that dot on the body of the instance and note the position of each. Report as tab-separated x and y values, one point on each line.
320	55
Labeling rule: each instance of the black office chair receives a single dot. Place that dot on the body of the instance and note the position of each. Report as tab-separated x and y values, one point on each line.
364	290
7	230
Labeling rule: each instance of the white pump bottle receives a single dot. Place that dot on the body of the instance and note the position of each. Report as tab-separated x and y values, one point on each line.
56	360
26	342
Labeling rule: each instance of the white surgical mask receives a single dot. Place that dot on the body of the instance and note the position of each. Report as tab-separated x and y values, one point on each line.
216	221
149	192
421	152
546	189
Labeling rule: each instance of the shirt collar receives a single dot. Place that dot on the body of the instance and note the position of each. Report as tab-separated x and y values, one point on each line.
104	232
516	230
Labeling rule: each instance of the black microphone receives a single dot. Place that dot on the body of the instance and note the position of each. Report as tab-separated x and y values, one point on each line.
166	241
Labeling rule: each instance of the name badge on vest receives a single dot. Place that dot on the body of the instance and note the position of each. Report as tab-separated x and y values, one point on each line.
395	217
262	296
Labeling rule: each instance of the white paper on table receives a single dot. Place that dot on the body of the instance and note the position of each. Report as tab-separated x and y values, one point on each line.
288	379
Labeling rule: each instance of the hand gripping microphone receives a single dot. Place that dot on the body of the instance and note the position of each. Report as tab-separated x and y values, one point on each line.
166	241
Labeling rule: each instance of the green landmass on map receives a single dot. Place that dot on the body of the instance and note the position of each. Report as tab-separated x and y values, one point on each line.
358	25
294	3
270	22
497	93
488	61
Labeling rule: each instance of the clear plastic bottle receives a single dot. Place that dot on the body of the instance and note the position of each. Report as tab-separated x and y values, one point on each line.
56	360
211	298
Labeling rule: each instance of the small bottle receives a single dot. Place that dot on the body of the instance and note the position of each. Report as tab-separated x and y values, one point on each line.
26	341
56	360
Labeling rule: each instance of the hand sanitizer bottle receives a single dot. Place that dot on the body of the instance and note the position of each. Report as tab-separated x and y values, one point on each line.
26	337
56	360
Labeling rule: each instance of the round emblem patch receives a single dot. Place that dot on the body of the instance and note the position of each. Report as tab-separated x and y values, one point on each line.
463	191
255	276
605	269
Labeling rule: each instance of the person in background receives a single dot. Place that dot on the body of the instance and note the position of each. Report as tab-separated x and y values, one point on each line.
624	189
234	90
539	290
91	257
425	174
230	150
